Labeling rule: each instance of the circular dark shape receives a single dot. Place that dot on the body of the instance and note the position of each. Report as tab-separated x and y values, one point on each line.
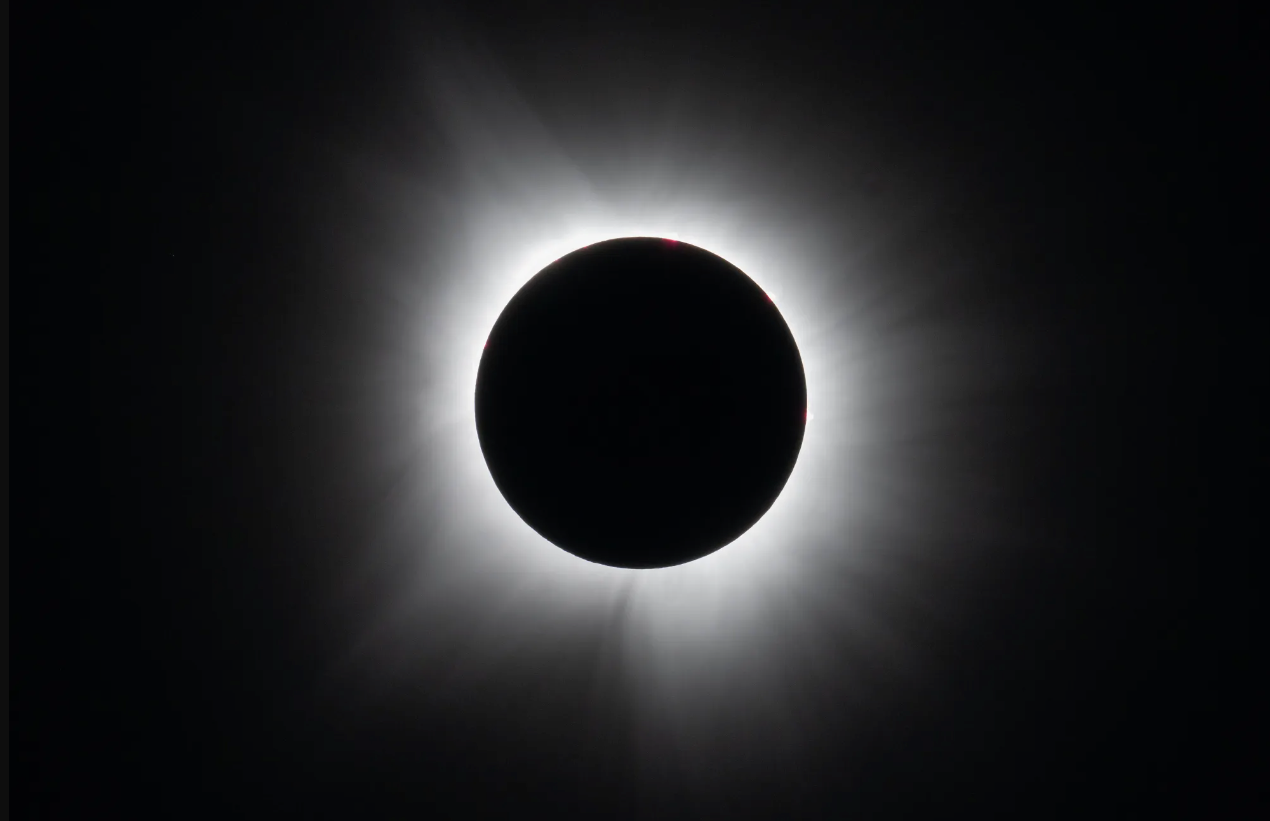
640	403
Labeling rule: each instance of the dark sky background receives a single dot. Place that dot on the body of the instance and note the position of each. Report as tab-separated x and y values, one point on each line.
192	296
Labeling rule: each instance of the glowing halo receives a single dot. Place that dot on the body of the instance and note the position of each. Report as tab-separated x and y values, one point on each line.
859	536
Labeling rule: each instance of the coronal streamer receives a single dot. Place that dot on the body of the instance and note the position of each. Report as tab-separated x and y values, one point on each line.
884	519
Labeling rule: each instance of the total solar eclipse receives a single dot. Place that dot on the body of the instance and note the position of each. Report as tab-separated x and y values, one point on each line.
640	403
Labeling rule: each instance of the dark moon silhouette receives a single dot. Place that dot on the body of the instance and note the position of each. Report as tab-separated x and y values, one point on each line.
640	403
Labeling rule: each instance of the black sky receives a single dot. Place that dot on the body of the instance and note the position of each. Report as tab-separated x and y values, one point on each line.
185	503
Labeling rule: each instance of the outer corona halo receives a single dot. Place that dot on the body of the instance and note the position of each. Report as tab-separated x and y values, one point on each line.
640	403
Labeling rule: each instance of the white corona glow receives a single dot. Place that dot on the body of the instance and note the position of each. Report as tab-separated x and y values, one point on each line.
723	638
691	601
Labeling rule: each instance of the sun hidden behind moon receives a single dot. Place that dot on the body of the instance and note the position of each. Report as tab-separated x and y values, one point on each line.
640	403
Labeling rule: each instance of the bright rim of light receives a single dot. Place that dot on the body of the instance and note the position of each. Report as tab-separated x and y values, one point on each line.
690	601
481	594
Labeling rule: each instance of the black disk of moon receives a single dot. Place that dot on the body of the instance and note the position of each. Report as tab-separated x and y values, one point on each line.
640	403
